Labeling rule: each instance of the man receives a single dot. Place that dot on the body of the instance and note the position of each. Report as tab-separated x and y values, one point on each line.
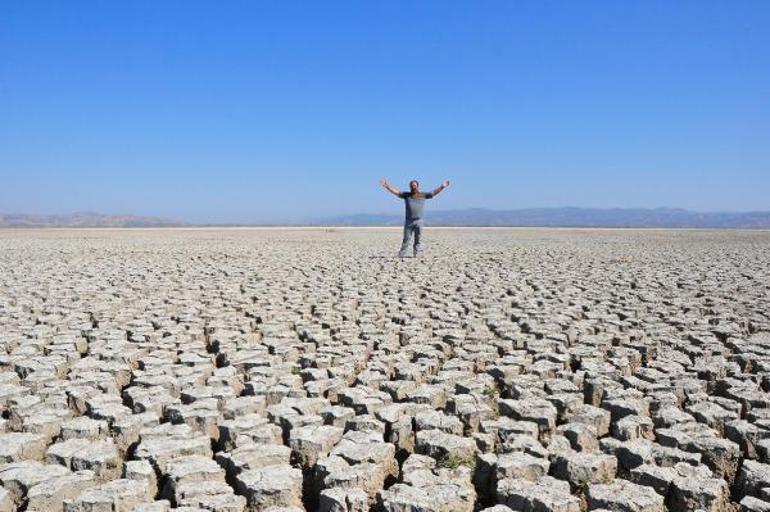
414	202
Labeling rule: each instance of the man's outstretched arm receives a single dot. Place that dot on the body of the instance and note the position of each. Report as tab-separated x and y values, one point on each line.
441	187
389	188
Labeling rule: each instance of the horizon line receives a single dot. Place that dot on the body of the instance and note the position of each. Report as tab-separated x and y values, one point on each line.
299	227
388	213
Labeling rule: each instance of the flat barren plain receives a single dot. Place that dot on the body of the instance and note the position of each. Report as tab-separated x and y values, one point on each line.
311	369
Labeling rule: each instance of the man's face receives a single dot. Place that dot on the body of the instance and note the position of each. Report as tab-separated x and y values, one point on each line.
414	186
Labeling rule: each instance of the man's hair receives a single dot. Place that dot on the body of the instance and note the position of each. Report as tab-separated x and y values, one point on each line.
415	182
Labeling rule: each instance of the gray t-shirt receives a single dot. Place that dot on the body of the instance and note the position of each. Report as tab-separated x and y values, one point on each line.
414	204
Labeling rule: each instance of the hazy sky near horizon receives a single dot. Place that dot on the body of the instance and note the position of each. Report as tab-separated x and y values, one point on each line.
245	111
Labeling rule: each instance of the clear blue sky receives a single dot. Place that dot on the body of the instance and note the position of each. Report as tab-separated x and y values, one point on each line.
264	111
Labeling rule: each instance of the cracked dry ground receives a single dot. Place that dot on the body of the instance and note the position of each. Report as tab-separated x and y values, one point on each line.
289	370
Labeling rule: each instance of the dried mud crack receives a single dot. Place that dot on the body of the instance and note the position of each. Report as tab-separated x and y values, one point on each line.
290	370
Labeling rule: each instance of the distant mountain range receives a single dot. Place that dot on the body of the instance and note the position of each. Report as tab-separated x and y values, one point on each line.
531	217
570	217
83	219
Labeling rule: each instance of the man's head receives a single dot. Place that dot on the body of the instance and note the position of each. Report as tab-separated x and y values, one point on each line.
414	186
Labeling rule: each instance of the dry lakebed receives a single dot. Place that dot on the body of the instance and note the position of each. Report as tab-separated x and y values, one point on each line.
283	370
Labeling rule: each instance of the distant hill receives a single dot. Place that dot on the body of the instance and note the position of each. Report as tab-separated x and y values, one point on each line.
531	217
569	217
83	219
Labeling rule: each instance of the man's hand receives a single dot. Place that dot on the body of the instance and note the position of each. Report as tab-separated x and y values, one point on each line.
387	187
444	184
